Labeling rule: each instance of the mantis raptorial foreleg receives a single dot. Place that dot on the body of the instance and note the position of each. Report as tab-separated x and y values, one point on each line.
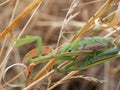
92	48
30	39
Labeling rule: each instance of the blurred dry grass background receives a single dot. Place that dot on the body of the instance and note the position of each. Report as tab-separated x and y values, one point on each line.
47	23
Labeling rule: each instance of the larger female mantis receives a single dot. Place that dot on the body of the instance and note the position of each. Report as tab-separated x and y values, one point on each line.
86	51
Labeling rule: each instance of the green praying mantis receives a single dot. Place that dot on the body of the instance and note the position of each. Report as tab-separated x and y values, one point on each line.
80	53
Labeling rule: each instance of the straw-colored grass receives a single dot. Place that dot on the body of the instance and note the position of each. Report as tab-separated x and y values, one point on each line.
59	20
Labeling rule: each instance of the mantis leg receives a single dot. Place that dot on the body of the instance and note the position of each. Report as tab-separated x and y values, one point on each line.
91	59
67	68
39	41
30	39
75	62
94	57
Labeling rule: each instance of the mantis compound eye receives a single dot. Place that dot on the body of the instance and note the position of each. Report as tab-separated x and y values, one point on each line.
69	50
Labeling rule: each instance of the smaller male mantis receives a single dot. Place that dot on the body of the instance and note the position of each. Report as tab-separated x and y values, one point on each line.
86	51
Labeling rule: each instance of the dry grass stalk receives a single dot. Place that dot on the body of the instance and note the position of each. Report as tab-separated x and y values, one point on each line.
88	79
85	28
4	63
42	73
116	19
1	4
52	62
26	11
91	20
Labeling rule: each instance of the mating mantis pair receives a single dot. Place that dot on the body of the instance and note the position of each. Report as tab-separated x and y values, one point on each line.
81	53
